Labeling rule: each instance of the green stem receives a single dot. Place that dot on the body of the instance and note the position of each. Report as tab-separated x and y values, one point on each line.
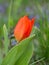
10	9
38	61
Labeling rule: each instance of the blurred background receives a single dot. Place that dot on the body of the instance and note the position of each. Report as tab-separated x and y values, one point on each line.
18	8
12	10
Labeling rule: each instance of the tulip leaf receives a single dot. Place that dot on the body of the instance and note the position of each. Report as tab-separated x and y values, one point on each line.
1	58
20	54
6	39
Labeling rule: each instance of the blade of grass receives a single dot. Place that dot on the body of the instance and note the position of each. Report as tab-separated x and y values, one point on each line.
38	61
9	14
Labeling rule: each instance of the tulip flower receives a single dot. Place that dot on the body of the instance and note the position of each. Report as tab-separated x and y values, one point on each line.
23	28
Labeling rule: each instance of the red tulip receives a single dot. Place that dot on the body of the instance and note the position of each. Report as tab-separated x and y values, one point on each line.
23	28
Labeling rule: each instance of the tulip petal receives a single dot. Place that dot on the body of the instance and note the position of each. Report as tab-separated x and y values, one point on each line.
23	28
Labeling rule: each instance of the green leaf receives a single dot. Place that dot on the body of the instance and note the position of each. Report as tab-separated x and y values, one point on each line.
10	24
1	58
20	54
6	39
34	30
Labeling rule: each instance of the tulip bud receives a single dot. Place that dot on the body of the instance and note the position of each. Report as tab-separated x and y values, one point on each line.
23	28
